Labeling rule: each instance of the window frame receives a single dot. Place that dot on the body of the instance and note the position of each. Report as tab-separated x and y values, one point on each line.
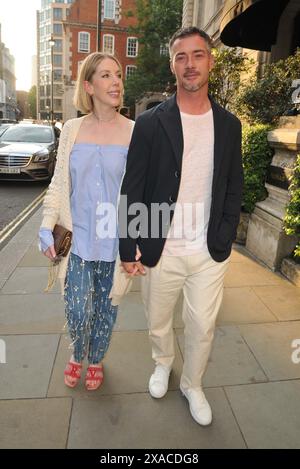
113	43
106	7
89	42
127	47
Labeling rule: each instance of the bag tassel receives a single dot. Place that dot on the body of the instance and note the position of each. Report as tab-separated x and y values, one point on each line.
52	276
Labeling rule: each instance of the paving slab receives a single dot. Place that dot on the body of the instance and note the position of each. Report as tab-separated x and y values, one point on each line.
271	344
29	362
127	367
31	314
283	301
231	362
131	314
245	274
35	423
34	258
241	305
239	254
268	414
139	421
27	280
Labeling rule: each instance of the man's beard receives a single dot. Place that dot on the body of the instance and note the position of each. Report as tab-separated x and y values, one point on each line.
192	88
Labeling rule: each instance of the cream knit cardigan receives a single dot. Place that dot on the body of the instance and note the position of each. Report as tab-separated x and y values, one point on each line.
56	206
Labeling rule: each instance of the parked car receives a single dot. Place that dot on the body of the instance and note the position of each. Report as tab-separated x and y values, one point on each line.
3	127
28	152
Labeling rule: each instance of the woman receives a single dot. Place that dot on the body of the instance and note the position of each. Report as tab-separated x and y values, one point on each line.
90	165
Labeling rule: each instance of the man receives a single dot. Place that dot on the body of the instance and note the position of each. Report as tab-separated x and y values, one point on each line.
186	151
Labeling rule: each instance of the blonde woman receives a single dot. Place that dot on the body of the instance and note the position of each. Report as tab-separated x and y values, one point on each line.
90	166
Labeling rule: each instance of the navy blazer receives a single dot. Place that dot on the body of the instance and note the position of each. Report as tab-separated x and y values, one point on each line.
153	173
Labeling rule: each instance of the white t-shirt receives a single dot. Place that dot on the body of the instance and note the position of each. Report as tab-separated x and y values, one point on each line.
188	232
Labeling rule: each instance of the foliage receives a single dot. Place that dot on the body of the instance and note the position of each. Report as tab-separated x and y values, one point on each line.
157	22
265	99
257	155
225	77
292	217
32	101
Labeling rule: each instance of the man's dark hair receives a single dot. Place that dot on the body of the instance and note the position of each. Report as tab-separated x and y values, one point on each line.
190	31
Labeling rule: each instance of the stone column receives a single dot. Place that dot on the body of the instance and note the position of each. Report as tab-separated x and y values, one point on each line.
266	239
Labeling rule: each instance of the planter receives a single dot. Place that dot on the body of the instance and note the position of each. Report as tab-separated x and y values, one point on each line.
242	229
291	270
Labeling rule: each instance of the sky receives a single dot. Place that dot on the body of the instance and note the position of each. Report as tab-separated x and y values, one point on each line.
18	32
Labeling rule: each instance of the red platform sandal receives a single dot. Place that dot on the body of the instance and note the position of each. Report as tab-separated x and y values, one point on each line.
94	377
72	374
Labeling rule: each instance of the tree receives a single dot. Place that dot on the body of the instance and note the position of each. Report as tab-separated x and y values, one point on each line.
265	99
225	77
32	101
157	22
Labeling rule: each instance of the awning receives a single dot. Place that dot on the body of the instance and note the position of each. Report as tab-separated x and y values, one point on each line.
251	24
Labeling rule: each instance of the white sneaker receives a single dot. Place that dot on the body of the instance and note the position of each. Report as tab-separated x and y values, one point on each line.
159	381
199	407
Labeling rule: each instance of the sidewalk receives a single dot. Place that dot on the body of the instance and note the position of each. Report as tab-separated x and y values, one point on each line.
251	382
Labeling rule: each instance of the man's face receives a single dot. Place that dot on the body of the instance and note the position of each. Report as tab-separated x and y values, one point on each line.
191	63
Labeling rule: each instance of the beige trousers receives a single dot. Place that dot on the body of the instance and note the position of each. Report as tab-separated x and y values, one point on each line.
201	279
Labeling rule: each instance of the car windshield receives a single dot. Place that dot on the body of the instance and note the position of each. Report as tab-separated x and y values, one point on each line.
27	134
3	128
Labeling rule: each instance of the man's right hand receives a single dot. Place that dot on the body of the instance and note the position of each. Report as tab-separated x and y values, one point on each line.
50	253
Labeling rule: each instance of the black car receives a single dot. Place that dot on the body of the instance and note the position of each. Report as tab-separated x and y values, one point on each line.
28	152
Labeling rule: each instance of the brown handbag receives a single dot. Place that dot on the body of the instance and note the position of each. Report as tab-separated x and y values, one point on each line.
62	241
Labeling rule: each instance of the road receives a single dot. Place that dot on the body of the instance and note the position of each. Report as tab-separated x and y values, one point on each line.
15	196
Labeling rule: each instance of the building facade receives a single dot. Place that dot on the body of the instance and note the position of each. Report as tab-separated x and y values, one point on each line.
8	100
50	46
82	36
74	29
207	15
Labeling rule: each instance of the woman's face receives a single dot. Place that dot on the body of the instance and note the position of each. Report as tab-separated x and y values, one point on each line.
106	85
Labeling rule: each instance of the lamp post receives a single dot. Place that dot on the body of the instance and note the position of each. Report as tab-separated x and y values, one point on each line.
98	38
52	44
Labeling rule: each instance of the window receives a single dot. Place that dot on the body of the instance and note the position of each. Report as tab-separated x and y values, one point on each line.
109	9
132	47
57	104
83	42
130	70
57	13
57	60
164	49
108	43
57	75
57	29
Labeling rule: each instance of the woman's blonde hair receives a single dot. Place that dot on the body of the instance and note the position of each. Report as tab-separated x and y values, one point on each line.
82	100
